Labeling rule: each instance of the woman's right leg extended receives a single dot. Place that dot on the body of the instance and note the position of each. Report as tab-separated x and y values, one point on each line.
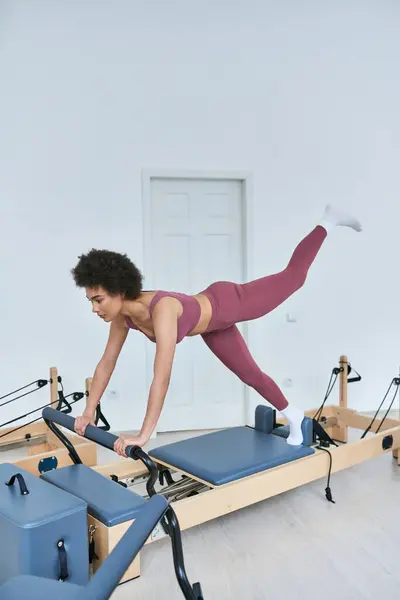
229	346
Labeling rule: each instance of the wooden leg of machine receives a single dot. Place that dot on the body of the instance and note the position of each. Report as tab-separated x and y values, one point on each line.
47	446
340	432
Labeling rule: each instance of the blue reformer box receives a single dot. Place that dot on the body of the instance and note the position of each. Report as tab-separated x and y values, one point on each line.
43	529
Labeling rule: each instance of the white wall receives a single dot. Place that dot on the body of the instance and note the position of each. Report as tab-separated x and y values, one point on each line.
302	94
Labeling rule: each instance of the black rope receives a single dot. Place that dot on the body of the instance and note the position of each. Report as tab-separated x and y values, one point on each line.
328	491
76	394
41	383
328	392
326	440
395	381
390	405
80	394
331	385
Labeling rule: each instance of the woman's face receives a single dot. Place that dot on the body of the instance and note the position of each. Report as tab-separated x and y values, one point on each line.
103	305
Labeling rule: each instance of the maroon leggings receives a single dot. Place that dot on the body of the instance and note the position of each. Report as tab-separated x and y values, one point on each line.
233	303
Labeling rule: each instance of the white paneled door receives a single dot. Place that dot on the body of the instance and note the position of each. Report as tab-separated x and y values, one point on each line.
195	235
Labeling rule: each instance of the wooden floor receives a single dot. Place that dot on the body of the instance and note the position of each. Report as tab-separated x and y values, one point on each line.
295	546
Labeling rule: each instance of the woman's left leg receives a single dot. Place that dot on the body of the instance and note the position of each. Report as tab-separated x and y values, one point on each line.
229	346
263	295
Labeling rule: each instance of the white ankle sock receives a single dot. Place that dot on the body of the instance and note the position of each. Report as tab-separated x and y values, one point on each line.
334	217
294	417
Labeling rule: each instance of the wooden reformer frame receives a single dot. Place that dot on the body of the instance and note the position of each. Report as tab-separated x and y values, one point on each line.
42	444
211	502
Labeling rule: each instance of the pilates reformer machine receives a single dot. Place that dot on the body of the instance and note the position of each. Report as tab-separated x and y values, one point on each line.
45	451
218	473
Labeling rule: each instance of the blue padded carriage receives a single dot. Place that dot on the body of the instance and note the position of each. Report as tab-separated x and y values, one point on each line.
229	454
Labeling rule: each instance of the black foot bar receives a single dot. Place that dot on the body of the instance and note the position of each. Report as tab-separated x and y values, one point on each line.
107	440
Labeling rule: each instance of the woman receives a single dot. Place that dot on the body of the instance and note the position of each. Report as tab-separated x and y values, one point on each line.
114	287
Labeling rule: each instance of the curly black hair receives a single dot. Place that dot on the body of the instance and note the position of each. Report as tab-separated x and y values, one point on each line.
112	271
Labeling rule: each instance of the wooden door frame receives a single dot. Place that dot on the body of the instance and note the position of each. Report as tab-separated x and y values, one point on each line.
246	180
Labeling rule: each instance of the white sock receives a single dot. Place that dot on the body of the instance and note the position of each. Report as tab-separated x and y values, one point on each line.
294	417
334	217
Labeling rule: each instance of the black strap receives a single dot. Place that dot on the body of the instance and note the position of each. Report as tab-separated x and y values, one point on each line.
21	481
352	379
101	417
62	401
62	557
92	554
63	405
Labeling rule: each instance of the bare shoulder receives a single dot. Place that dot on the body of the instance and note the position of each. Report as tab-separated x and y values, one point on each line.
165	322
167	306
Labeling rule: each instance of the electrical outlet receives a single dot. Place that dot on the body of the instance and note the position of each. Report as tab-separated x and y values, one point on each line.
291	318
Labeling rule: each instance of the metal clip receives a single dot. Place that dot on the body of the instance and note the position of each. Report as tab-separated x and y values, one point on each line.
92	530
92	554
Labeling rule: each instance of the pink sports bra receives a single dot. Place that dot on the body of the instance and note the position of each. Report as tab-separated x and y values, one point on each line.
186	322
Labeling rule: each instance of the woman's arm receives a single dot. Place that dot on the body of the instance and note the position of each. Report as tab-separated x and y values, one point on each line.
103	372
165	325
